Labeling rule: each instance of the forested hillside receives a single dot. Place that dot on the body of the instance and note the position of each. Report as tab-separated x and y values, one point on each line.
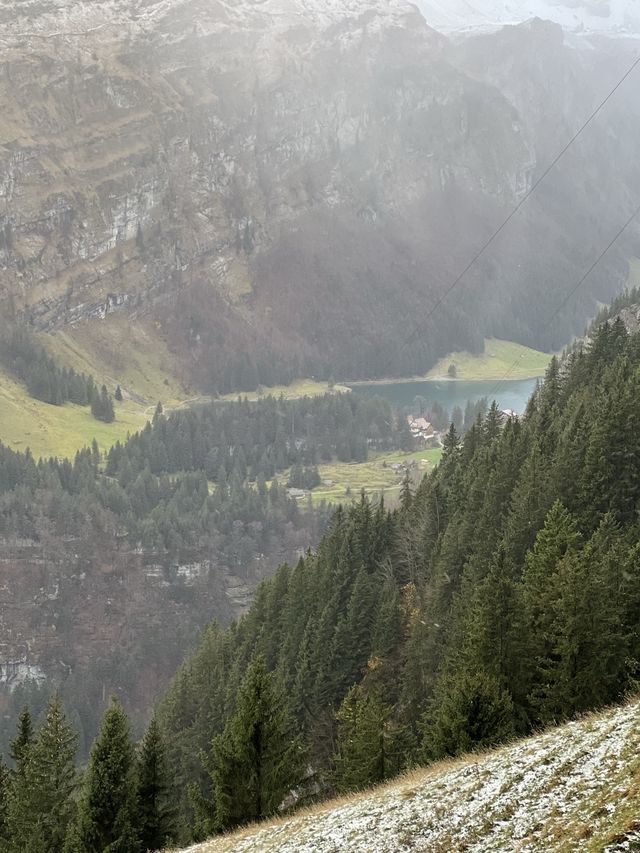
503	595
129	553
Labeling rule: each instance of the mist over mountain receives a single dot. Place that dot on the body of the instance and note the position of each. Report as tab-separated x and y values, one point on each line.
613	17
260	215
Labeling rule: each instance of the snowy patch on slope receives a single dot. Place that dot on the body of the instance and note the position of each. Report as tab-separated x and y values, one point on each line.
570	788
613	17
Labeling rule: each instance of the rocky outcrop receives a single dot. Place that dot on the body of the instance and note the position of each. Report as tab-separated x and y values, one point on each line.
19	671
93	617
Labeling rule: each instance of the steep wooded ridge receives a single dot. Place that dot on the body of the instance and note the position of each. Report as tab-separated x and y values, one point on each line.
503	595
294	214
574	788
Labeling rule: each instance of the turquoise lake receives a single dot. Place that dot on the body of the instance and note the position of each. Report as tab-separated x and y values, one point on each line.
509	393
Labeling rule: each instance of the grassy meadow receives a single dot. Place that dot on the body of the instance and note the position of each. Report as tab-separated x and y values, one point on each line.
375	476
499	358
134	356
58	430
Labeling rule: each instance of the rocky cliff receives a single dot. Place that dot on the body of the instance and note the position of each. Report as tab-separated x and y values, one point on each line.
283	181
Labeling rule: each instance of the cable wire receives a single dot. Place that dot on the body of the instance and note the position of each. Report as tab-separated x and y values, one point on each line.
576	287
522	201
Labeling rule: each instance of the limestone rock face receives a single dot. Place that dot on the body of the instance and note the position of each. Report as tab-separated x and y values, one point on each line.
302	178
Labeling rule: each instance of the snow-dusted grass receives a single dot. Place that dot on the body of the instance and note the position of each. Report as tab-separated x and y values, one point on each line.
573	788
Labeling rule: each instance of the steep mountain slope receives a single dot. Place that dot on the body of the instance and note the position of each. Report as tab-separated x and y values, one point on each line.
574	788
613	17
112	563
549	84
296	214
499	598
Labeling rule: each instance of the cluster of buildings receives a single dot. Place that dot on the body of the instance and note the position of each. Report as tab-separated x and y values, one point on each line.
423	431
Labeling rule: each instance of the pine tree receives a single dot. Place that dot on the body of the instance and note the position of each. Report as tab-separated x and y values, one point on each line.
40	804
107	817
155	823
257	759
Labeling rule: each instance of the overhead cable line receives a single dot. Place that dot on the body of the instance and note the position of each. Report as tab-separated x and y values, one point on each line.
522	201
576	287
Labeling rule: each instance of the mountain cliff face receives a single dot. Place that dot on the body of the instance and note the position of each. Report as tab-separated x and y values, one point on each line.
576	211
613	17
278	188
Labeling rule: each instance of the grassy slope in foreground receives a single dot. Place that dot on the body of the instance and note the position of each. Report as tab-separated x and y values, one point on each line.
499	358
573	788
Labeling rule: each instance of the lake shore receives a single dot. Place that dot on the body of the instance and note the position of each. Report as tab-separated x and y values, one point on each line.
449	393
408	380
499	360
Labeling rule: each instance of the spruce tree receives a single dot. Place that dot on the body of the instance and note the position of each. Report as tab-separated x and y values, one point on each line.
40	804
406	493
107	818
154	795
469	711
19	746
102	406
5	778
256	761
490	636
556	542
630	610
593	656
367	741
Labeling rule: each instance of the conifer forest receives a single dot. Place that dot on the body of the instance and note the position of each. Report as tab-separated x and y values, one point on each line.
319	426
